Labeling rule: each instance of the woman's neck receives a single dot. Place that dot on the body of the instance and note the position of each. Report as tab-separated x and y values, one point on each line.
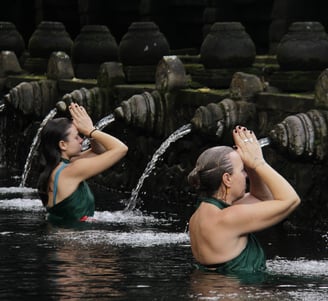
65	160
222	195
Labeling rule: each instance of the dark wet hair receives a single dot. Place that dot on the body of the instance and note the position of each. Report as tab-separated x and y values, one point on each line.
206	177
54	131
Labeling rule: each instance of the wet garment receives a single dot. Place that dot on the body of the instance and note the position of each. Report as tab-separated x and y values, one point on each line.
76	207
251	259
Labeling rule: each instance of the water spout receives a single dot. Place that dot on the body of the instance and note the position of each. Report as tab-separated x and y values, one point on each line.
179	133
264	141
101	124
2	107
36	141
303	135
220	118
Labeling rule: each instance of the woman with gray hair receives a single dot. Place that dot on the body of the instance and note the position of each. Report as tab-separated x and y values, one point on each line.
221	229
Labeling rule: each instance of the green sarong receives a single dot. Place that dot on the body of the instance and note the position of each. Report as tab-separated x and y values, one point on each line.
76	207
251	259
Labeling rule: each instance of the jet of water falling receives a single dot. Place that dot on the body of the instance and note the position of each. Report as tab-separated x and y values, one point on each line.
179	133
35	144
36	141
102	123
264	141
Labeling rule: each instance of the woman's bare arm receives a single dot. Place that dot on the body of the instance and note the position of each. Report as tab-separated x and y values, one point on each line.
91	163
257	216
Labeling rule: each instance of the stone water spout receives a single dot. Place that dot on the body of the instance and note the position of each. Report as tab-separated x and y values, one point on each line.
33	98
303	135
95	100
148	110
143	110
220	118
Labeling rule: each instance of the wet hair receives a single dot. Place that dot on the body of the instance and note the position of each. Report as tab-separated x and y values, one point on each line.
206	177
54	131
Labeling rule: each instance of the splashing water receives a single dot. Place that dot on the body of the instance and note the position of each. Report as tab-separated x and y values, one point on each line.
264	141
2	107
35	144
102	123
179	133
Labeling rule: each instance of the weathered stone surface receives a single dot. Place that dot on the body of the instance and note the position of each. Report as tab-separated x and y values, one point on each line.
304	47
60	66
110	74
245	86
227	45
321	90
9	63
170	74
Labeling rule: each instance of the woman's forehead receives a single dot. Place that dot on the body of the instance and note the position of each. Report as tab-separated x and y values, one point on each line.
235	158
73	129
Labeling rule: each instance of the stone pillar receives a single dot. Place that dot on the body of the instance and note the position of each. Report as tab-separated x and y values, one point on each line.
93	46
140	50
11	39
304	47
47	38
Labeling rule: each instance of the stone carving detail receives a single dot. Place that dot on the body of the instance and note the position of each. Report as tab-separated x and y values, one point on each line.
143	44
220	118
11	39
93	46
245	86
143	111
304	47
96	100
227	45
170	74
34	98
321	91
303	135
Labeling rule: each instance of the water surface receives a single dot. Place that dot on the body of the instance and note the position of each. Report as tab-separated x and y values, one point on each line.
139	255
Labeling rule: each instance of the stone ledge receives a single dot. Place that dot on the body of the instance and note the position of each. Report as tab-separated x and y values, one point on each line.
291	103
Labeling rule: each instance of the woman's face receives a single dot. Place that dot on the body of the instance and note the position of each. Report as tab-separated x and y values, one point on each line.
73	142
238	177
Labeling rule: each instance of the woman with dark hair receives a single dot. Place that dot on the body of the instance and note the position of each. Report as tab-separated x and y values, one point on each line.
62	186
221	227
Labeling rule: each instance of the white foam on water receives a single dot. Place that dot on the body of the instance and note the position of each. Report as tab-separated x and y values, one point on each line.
133	239
13	189
126	217
298	267
22	204
6	233
319	294
134	217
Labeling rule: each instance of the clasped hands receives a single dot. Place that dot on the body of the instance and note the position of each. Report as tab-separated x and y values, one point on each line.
248	147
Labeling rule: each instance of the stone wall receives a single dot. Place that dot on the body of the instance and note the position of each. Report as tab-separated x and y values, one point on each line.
165	88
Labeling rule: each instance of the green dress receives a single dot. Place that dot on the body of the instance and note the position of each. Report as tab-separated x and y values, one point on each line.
76	207
251	259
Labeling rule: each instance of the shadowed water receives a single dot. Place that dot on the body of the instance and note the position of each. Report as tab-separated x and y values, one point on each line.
138	255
